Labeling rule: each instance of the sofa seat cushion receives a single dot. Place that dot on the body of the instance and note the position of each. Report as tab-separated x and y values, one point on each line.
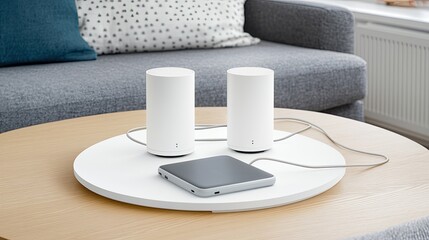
304	78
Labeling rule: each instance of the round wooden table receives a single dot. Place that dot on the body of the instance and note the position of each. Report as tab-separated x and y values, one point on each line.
41	199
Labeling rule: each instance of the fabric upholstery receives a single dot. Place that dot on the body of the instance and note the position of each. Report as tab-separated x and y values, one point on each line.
40	31
141	26
305	24
414	230
304	78
352	110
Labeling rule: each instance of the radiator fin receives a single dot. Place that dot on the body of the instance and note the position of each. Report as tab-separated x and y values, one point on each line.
398	75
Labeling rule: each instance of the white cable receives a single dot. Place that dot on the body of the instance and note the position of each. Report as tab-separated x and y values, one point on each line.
208	126
309	125
133	139
204	127
198	127
211	140
293	134
330	138
321	166
386	159
224	139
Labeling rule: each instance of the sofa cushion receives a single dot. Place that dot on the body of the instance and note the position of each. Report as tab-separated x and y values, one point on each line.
304	78
137	26
414	230
40	31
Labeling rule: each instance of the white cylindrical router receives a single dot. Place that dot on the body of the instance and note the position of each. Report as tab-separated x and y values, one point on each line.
250	109
170	111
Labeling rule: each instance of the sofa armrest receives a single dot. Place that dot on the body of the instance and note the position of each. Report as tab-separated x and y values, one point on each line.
304	24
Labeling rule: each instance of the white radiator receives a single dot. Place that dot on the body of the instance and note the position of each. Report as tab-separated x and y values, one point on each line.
398	76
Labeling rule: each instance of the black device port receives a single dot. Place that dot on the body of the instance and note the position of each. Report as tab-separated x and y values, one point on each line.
192	191
216	192
166	177
160	174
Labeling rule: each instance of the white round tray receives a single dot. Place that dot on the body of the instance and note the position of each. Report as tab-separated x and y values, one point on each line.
122	170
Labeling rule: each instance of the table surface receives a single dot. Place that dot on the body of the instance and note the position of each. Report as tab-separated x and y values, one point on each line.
41	199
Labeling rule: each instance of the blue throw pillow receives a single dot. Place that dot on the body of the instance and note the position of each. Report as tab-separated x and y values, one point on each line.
36	31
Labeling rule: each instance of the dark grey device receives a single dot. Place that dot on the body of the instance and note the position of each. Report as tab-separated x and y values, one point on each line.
215	176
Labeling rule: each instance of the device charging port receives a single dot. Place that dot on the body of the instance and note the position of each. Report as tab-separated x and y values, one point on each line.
166	177
192	191
216	192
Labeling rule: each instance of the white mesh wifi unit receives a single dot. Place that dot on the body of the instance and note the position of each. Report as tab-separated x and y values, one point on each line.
250	104
170	111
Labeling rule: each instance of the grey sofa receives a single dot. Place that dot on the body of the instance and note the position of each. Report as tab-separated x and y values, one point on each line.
308	45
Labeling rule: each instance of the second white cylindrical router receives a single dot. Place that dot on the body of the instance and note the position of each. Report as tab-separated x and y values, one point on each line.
250	104
170	111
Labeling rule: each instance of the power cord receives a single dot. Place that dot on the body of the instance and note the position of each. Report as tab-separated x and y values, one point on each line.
198	127
204	127
224	139
386	159
309	126
133	139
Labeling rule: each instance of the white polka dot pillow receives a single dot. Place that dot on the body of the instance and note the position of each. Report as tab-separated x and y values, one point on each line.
121	26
